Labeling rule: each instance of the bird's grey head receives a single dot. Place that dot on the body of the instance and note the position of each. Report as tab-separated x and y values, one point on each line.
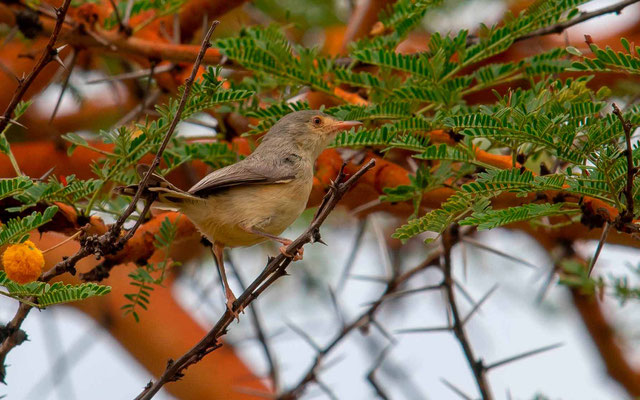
307	130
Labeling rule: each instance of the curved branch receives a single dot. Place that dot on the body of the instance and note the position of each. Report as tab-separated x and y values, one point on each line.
276	268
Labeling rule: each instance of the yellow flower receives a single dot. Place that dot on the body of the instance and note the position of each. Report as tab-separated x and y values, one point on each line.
23	262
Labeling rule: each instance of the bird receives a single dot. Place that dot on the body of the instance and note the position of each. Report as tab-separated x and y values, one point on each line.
257	198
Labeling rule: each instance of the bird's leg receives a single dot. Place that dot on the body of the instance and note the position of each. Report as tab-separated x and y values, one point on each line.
284	241
218	249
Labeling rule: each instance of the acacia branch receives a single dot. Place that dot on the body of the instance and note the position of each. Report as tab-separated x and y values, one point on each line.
115	229
108	242
275	269
585	16
366	317
449	239
606	341
627	215
48	54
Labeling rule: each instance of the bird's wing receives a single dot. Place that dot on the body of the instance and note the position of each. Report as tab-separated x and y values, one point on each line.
241	173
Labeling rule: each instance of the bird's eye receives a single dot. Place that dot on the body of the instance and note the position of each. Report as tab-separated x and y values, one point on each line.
317	121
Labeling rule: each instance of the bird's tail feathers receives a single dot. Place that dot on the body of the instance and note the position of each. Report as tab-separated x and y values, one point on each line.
167	193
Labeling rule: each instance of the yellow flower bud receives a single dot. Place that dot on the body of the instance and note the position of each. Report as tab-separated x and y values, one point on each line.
23	262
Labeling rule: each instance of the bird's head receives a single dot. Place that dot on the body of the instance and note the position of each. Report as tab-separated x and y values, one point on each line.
309	130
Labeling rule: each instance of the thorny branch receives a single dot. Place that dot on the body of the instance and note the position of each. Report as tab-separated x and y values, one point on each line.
361	321
275	269
48	54
585	16
110	241
274	373
627	216
449	238
12	335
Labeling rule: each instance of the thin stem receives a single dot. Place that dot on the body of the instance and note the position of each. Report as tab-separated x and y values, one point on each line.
449	238
628	190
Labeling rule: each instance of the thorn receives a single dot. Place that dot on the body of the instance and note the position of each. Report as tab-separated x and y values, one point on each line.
378	279
13	121
336	306
523	355
479	304
464	292
455	389
384	332
46	174
59	49
394	295
424	330
483	246
603	239
304	335
57	59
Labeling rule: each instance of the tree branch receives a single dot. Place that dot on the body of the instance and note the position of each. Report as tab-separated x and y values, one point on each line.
48	54
108	242
449	239
560	27
362	321
275	269
627	215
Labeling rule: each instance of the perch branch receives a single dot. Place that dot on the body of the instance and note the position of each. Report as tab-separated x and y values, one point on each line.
275	269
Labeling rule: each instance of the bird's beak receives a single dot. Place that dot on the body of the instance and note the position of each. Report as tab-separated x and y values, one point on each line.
346	125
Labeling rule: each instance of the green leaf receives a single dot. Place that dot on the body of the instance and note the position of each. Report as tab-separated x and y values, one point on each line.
16	230
13	186
494	218
46	294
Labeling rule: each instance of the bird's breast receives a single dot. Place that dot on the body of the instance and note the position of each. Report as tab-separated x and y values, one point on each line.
268	208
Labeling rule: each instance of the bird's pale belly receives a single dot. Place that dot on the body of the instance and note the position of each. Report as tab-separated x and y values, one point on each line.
268	208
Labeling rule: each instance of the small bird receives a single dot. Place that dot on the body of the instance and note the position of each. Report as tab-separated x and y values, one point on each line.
257	198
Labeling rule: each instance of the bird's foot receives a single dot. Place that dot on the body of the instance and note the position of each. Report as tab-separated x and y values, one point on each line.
297	257
231	298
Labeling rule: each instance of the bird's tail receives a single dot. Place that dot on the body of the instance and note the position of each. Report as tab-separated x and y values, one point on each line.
168	194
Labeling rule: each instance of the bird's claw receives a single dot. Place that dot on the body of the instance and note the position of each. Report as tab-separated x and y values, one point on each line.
297	257
231	298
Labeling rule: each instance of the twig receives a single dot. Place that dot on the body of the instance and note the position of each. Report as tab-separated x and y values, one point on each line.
70	238
65	83
122	27
372	378
362	320
523	355
97	245
274	373
477	306
560	27
115	229
449	238
603	239
134	74
275	269
127	13
614	354
48	54
455	389
348	265
501	253
13	327
627	216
